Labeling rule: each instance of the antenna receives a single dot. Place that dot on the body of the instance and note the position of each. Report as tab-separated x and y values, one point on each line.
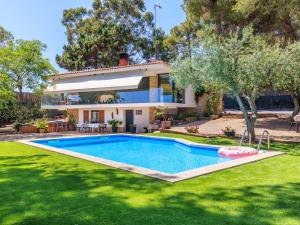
156	6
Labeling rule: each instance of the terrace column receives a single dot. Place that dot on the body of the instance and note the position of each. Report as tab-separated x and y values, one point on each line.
153	86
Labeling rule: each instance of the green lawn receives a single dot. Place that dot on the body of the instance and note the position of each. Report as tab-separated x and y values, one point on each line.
41	187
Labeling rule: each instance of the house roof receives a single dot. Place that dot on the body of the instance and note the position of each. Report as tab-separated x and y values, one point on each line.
112	69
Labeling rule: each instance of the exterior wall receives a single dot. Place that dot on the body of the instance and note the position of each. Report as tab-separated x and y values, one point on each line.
140	120
189	97
202	103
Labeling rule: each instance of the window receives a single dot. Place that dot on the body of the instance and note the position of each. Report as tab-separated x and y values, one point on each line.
62	97
95	116
138	112
169	92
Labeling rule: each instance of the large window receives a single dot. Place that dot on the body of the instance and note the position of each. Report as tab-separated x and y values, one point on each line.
169	91
165	92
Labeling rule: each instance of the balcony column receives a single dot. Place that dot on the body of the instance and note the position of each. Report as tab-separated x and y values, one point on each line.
152	115
153	85
75	113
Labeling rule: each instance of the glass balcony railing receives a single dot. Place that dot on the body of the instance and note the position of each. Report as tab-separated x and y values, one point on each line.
155	95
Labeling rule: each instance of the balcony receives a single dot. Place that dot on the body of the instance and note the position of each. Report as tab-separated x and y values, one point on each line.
155	95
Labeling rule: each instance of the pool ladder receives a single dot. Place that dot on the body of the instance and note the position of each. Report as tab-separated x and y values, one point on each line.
246	134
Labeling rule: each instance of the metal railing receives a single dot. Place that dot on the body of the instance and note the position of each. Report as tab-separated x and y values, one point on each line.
245	134
261	139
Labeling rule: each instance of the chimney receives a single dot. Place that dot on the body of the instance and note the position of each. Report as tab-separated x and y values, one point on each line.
124	59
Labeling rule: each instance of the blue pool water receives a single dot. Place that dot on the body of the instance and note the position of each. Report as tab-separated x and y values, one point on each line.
164	155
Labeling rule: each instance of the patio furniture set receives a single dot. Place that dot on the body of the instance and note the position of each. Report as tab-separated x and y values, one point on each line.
58	125
91	127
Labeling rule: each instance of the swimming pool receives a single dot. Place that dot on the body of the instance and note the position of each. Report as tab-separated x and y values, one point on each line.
169	159
163	155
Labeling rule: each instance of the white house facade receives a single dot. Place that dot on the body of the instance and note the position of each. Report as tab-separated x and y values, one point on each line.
129	93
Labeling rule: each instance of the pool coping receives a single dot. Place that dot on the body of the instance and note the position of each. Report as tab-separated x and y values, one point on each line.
153	173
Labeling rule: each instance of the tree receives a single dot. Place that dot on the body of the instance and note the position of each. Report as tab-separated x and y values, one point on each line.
288	75
274	19
6	91
181	39
23	66
5	36
97	36
242	63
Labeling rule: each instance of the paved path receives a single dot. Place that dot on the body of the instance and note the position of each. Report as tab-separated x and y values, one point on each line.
278	127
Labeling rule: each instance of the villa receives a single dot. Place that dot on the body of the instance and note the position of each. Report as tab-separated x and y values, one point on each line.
128	93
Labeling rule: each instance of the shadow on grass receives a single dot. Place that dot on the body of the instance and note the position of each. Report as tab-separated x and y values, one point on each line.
64	192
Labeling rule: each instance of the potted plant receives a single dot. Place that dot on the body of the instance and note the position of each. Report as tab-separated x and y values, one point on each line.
132	128
71	121
42	125
160	113
229	132
17	126
114	125
192	129
28	128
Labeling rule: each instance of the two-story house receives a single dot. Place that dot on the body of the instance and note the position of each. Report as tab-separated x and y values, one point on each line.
129	93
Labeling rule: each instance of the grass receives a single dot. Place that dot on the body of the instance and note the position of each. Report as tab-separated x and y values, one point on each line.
41	187
291	148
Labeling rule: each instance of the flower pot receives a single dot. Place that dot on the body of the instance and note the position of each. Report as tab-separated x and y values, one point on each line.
42	131
133	129
230	134
165	124
114	129
28	129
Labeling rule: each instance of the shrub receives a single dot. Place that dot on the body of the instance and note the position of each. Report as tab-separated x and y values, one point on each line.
41	124
180	116
114	123
229	132
30	113
17	126
7	112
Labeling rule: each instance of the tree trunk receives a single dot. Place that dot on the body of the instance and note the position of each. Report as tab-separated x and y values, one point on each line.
20	95
290	34
248	119
296	100
252	104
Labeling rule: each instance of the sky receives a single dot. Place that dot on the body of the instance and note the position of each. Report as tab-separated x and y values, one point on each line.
41	20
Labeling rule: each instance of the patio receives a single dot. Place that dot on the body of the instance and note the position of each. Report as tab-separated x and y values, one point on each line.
277	126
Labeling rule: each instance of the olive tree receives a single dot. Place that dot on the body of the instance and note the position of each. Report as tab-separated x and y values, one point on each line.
241	62
287	77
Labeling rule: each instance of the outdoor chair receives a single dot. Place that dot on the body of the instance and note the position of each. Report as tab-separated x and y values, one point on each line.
102	127
79	127
295	122
59	125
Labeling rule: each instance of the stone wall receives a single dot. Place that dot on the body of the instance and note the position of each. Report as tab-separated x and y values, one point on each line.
203	104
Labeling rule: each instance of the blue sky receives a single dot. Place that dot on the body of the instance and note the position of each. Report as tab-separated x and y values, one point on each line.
41	19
